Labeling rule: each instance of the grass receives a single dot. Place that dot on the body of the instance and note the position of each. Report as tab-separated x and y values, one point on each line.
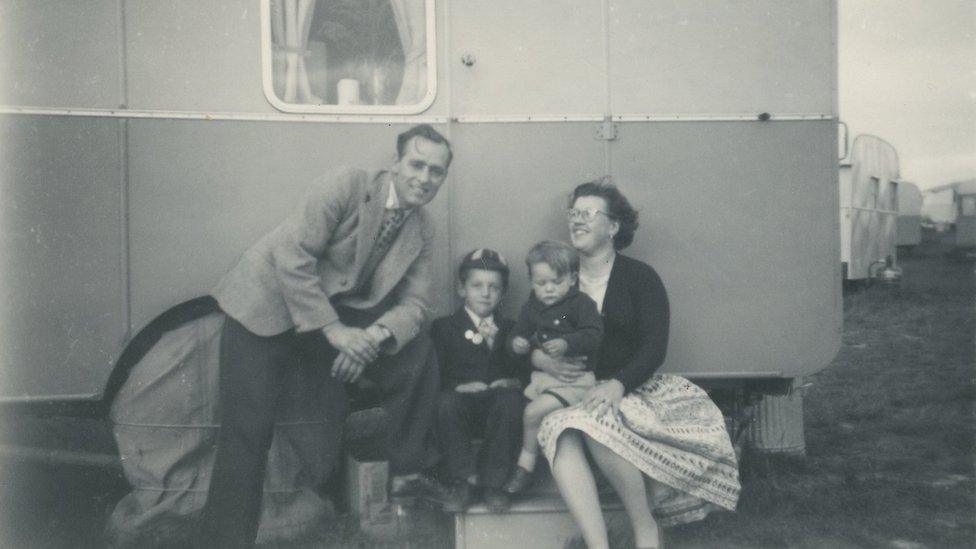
890	437
889	428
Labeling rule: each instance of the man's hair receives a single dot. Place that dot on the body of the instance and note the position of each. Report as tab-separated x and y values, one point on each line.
561	257
619	208
486	260
427	132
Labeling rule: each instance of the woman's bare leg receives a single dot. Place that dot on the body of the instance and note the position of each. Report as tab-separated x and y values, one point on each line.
628	481
578	488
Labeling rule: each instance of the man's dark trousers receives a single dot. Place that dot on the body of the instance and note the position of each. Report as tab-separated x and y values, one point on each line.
495	415
253	370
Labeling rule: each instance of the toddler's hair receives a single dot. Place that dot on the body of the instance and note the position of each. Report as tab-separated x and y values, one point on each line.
485	259
561	257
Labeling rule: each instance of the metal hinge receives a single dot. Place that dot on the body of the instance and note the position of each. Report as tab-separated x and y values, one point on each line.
607	130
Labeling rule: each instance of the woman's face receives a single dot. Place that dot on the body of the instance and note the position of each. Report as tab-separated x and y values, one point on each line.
595	234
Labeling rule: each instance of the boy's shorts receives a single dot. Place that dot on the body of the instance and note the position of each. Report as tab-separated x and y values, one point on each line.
568	394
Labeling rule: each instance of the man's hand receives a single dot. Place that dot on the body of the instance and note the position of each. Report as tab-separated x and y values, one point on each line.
505	383
351	341
521	345
378	335
556	348
471	387
564	370
347	369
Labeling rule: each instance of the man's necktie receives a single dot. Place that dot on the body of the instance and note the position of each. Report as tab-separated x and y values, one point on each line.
389	228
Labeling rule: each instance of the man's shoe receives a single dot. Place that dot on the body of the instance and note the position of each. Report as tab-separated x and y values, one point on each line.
521	479
457	497
405	489
497	500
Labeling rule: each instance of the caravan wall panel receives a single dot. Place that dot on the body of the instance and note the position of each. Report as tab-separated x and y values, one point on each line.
681	57
59	54
62	282
520	69
511	188
740	219
202	192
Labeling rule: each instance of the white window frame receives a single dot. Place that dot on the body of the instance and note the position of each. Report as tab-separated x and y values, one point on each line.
416	108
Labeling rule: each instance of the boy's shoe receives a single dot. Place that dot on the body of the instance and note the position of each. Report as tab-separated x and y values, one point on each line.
457	497
520	480
497	500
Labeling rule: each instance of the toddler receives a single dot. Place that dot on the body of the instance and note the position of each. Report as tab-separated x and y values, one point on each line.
565	324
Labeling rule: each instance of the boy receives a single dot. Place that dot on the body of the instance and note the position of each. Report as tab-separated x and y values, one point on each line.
562	322
480	394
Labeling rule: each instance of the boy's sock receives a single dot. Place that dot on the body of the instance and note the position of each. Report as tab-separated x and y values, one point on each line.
526	460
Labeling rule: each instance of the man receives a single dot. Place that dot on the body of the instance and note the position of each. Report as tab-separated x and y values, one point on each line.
343	285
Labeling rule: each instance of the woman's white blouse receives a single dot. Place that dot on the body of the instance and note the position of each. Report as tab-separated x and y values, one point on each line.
595	287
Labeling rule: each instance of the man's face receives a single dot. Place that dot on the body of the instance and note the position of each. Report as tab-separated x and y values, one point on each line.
420	172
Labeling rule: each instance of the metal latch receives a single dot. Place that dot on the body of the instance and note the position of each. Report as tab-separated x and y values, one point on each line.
607	130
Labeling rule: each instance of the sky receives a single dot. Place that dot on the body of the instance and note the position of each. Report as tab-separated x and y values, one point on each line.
907	73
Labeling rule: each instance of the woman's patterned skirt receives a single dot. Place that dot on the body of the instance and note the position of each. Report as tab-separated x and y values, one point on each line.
673	433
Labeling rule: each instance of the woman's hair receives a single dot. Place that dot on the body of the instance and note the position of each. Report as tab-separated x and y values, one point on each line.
560	257
620	209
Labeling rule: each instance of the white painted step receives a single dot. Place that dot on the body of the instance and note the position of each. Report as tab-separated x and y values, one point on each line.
538	521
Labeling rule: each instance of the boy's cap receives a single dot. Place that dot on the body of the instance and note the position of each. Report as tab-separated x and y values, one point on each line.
484	258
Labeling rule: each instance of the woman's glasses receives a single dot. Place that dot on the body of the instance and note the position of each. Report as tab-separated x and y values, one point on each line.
586	214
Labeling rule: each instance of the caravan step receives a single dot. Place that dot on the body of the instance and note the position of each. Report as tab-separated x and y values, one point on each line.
539	521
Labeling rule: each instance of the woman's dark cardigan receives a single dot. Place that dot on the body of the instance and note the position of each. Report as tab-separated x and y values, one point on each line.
636	320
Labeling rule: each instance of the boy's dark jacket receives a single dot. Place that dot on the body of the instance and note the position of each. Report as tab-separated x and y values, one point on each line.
461	360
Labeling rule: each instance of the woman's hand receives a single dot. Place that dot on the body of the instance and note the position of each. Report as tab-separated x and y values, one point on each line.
556	348
606	395
562	370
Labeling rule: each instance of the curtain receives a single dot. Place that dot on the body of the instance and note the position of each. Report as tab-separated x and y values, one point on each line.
411	22
291	21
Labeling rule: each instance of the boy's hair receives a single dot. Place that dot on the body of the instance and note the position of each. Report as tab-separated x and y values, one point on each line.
485	259
561	257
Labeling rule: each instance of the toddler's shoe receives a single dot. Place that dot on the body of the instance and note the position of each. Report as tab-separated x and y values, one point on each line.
521	479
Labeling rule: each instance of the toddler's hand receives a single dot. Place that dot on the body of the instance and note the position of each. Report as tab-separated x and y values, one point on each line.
471	387
556	348
505	383
521	345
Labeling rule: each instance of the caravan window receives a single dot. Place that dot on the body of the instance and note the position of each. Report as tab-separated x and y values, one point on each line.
349	56
891	197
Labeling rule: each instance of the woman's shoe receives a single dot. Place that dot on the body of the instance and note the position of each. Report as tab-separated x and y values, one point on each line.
521	479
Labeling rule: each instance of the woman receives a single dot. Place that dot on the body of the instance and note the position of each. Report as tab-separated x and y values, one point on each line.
645	432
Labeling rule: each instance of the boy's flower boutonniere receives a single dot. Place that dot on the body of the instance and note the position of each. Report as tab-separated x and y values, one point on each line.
474	337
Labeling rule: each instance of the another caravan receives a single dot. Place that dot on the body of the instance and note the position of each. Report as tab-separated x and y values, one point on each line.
868	184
